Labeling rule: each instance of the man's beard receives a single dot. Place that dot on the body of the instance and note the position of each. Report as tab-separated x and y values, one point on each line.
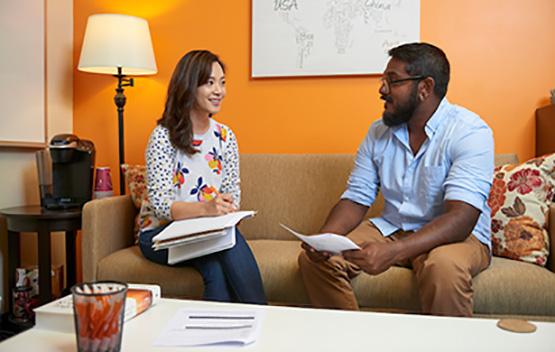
403	113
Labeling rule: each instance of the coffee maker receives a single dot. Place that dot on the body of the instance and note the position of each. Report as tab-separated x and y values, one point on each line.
65	171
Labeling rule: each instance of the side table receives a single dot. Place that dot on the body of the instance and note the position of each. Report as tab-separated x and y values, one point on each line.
34	218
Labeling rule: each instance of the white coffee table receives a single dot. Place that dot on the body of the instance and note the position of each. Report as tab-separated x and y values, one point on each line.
302	329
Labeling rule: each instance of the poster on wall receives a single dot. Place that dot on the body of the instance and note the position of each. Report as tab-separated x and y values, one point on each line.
329	37
22	69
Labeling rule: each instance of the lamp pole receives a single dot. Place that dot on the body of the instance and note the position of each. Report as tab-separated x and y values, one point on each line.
119	99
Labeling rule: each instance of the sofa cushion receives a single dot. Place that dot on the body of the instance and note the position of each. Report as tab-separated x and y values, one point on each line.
280	274
299	191
277	261
519	200
129	265
301	183
507	287
296	190
510	287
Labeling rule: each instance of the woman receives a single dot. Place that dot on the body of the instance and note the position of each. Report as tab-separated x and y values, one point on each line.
193	171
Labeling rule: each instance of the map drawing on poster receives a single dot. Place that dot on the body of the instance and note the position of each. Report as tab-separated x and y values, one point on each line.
329	37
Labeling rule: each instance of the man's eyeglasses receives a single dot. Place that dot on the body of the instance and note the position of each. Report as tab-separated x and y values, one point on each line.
388	82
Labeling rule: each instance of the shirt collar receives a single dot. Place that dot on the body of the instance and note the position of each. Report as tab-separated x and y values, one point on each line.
437	117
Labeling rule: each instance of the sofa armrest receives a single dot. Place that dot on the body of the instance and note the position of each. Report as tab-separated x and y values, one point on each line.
107	227
551	233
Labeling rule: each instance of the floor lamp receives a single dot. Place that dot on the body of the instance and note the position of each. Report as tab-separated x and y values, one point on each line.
118	45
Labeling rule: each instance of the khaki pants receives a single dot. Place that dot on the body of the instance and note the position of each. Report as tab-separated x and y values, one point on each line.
444	275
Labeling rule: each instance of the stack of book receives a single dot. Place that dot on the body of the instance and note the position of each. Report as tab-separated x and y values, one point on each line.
192	238
58	315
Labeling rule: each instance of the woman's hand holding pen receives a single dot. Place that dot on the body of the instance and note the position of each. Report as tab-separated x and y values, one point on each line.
222	204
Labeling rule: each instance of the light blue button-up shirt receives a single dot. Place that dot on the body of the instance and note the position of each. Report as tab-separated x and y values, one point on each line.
454	163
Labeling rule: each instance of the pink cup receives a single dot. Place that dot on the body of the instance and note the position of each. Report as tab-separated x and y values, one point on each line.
103	184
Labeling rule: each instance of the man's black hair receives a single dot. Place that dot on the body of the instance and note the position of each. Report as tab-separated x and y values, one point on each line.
425	60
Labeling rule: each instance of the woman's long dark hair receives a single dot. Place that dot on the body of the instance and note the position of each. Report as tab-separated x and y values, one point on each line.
192	71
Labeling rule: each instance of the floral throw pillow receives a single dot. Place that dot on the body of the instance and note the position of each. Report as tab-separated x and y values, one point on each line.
519	200
135	179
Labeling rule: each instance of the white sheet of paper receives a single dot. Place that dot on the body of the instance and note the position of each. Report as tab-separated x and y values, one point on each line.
326	242
182	252
188	240
209	327
189	226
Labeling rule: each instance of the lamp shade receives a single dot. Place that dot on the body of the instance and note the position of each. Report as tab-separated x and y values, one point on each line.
112	41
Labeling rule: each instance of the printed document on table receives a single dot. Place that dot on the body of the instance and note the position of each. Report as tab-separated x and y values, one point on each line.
208	327
326	242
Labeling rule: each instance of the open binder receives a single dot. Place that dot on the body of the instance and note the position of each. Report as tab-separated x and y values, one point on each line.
193	238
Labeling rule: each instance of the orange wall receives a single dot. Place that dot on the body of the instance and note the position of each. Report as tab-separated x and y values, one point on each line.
502	54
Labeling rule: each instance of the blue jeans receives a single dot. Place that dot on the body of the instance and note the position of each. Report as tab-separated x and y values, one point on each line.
230	275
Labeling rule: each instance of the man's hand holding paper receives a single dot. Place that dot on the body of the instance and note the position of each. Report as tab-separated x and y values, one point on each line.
374	258
325	243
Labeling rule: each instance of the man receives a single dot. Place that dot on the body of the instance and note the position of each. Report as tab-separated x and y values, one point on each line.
433	162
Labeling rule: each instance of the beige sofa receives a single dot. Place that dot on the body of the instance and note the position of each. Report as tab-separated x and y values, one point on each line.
299	190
